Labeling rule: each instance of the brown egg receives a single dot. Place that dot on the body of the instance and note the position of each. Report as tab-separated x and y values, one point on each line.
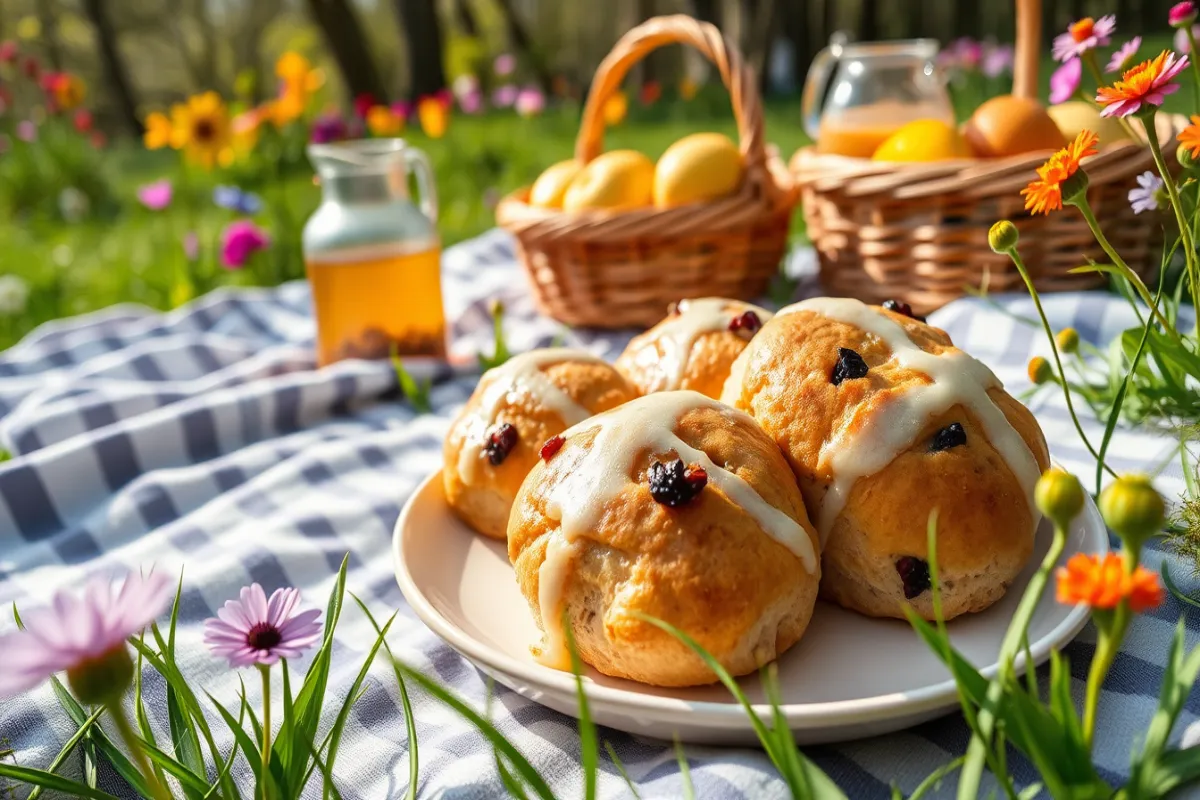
1008	125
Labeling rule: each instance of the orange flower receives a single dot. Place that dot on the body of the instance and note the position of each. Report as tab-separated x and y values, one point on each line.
1045	194
1103	583
158	131
1148	83
434	117
382	121
1189	137
615	108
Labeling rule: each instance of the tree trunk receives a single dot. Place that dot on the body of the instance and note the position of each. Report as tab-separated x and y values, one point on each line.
115	73
706	11
423	32
48	15
519	39
868	20
339	26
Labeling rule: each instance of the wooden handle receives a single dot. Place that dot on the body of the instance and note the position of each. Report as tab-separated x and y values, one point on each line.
679	29
1028	49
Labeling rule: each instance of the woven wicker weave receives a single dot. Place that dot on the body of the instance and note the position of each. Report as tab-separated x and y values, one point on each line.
616	269
918	232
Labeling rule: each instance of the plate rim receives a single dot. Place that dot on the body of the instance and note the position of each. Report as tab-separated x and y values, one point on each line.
707	713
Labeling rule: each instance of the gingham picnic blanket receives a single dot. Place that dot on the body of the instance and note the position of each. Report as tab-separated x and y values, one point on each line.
205	438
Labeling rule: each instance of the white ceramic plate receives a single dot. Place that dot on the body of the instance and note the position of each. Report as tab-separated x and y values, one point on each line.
849	677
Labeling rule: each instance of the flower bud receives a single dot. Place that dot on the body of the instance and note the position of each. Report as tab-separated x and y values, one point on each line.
103	679
1039	370
1185	157
1131	507
1059	496
1182	14
1067	340
1003	236
1075	186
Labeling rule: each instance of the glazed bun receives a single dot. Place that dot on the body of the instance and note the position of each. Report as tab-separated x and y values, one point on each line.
516	407
632	516
884	421
693	348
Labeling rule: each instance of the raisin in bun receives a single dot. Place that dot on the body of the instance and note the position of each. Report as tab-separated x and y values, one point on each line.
693	347
883	420
517	406
631	515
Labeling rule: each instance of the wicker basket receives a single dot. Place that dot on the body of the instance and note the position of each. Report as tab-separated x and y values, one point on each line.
918	232
617	269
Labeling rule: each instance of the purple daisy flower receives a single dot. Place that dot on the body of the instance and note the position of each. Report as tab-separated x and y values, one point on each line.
73	632
1082	36
997	59
1122	59
1064	83
530	102
329	127
1146	197
504	96
257	631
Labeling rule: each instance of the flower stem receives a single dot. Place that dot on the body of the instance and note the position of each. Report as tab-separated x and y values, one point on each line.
266	728
1195	67
1111	635
116	713
1037	303
1185	232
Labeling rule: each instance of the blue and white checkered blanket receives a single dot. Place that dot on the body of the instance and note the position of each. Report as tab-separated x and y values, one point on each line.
204	437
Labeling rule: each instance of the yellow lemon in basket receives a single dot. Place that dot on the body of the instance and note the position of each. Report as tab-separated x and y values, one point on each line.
1074	116
551	186
697	168
616	180
923	140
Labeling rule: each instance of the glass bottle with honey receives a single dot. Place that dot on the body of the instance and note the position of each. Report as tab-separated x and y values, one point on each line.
373	256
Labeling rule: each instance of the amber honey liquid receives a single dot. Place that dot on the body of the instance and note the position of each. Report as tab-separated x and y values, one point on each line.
370	302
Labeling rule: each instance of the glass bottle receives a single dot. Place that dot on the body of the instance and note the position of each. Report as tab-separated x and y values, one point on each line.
373	257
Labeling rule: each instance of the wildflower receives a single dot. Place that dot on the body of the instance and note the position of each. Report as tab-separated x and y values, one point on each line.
65	90
14	295
1102	583
31	68
504	64
1003	236
297	73
235	199
1131	507
469	95
1039	370
1067	340
471	103
434	117
445	97
155	196
98	140
504	96
402	109
8	51
73	204
200	127
1147	83
329	127
997	60
82	120
464	84
688	88
27	130
240	240
1148	194
615	109
530	102
288	107
255	630
1082	36
1046	194
1122	58
1059	496
963	53
158	131
1182	14
84	637
382	121
364	103
191	246
1182	43
1189	137
649	93
244	128
1064	82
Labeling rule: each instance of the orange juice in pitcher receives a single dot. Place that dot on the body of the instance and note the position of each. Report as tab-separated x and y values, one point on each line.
373	257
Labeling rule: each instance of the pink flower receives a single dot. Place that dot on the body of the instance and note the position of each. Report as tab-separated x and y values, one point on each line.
504	64
191	246
997	60
155	196
256	630
402	109
8	51
1148	83
74	632
240	240
471	103
27	130
1182	14
504	96
1064	83
1124	55
1082	36
530	101
1182	43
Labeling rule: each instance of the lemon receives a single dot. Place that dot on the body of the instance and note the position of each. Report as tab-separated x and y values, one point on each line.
923	140
697	168
551	186
617	180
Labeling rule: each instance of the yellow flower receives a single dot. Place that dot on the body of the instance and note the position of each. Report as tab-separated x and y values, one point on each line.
688	88
201	129
158	131
382	121
297	72
615	108
434	117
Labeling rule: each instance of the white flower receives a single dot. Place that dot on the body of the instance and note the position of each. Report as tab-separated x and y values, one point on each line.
14	294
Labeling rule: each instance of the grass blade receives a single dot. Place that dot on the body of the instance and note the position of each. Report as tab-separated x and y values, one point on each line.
588	745
935	778
339	725
240	737
67	749
110	751
48	780
621	769
685	775
192	783
511	784
139	711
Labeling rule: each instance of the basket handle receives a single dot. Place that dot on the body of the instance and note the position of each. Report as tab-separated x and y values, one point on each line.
682	29
1026	57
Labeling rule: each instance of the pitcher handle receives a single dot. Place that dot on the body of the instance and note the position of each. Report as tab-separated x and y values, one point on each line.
426	185
817	81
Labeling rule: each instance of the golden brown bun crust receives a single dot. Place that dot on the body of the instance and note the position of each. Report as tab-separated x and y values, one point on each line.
705	372
705	567
985	530
484	504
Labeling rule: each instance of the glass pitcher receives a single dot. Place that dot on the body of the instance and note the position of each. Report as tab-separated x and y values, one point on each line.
373	257
858	94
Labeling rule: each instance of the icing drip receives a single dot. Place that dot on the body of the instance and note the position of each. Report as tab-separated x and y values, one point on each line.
520	375
676	335
957	379
599	473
